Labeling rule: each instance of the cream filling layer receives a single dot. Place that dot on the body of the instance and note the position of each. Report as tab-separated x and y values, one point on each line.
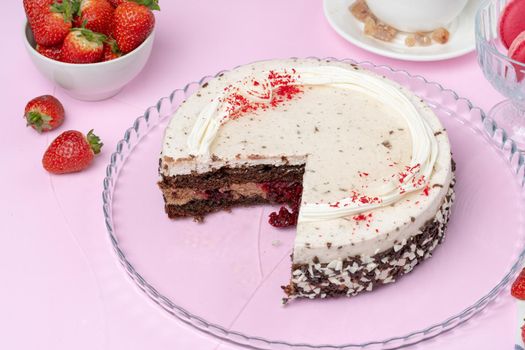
183	196
424	144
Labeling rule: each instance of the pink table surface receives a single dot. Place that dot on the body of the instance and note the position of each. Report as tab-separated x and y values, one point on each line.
62	287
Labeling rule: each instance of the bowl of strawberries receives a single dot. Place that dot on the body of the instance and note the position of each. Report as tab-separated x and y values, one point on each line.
90	48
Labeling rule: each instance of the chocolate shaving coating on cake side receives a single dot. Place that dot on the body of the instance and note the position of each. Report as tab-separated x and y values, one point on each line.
356	274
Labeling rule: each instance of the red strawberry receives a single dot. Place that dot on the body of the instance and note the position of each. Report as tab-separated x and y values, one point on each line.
111	50
52	52
51	27
518	287
71	151
35	8
133	23
115	3
44	113
96	15
83	46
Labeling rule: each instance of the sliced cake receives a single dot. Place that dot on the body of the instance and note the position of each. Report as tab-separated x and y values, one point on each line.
361	166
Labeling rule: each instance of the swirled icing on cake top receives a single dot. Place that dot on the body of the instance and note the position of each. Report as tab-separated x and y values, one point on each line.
268	89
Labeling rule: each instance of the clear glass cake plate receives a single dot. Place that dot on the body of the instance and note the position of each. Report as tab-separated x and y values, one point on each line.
223	276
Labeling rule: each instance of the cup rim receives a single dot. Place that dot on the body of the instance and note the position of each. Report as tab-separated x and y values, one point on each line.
484	42
27	27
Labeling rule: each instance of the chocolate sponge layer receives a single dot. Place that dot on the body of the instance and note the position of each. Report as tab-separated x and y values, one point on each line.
212	181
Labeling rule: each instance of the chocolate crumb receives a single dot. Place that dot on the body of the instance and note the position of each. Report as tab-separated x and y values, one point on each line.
315	260
328	245
316	129
205	85
387	144
412	219
437	133
390	132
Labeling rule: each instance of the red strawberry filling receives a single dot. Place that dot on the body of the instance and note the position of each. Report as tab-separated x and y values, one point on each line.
288	193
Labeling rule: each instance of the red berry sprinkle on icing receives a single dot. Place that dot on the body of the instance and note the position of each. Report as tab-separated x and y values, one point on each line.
279	88
363	217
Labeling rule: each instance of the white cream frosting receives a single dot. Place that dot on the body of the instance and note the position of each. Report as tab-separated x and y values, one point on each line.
424	145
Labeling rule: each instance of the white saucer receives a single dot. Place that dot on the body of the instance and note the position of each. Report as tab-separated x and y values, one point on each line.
462	37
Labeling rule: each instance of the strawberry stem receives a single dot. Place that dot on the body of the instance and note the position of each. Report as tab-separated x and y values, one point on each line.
67	8
151	4
94	142
91	35
38	120
112	43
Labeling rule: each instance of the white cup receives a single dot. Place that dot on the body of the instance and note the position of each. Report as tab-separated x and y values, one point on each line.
416	15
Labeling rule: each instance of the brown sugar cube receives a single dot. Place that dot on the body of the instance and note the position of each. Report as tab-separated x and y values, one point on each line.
360	10
379	31
441	35
410	40
385	32
423	39
370	26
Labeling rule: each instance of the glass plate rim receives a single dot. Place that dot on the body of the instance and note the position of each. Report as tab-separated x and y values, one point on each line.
496	135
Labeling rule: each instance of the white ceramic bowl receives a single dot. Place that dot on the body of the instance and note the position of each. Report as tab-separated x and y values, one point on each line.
416	15
94	81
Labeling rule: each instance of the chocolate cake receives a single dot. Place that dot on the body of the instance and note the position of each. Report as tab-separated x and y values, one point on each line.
361	166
